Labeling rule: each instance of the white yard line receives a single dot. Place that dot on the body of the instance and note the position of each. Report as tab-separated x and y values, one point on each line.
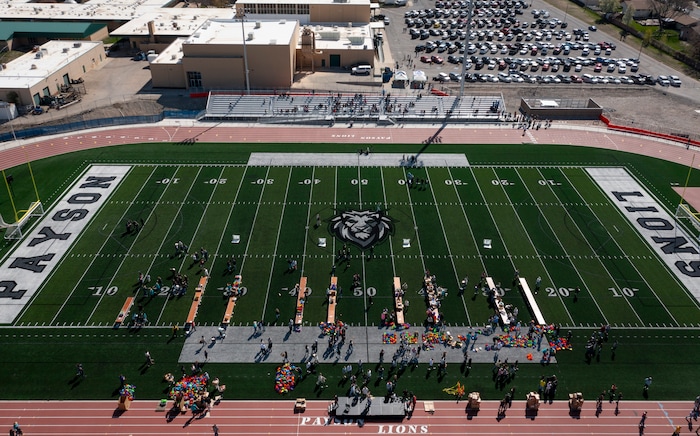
476	244
194	235
532	244
277	241
391	244
415	225
308	218
222	238
133	242
121	220
447	242
551	228
255	217
623	251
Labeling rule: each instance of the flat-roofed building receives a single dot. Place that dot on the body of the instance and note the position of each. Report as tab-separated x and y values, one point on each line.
214	56
306	11
49	67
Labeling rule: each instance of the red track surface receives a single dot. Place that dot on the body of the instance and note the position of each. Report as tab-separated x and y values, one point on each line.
11	154
251	418
277	417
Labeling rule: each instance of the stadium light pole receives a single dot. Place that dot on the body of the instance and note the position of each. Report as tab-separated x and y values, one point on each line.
466	49
241	15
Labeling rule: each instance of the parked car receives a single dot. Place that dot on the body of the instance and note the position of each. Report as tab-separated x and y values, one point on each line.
675	81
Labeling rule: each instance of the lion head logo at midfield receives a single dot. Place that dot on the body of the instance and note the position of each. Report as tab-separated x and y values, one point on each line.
363	228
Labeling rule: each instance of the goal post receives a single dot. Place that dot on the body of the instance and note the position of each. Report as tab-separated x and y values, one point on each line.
686	215
15	230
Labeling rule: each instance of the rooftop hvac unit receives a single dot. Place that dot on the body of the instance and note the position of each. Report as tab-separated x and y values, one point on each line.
273	42
33	67
77	44
65	49
258	24
283	21
250	36
39	55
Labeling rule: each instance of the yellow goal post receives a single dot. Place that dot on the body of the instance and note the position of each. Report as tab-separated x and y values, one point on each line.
15	230
686	215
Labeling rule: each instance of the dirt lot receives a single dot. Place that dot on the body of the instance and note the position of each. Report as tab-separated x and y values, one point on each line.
667	110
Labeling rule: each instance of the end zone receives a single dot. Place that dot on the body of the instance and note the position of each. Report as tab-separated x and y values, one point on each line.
30	264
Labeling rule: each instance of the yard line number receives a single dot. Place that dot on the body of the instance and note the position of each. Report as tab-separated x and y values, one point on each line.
623	292
556	292
99	291
501	182
307	291
167	181
358	292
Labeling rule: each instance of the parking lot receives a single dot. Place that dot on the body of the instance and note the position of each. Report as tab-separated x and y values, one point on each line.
510	41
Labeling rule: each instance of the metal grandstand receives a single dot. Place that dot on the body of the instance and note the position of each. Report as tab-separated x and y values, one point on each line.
328	108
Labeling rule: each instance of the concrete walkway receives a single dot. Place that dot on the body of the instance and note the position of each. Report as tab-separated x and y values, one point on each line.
241	345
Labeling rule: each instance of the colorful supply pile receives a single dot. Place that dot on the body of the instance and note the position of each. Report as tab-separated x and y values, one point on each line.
389	338
560	344
285	379
328	329
128	391
189	388
405	337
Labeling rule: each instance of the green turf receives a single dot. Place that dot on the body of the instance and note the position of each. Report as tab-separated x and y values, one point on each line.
202	195
41	363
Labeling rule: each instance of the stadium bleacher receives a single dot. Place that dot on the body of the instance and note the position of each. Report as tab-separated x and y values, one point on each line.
352	107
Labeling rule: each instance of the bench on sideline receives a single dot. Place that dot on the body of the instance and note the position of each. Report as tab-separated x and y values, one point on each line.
332	300
232	300
398	301
530	298
498	301
124	312
301	301
196	301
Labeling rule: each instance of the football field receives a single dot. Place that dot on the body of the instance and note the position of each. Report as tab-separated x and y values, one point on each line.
589	228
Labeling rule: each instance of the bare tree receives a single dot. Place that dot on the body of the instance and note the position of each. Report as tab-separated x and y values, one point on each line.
669	10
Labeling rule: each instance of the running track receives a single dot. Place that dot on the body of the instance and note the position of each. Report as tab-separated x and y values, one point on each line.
253	418
92	418
18	152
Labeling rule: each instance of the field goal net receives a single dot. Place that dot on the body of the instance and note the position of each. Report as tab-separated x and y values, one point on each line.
685	215
15	230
